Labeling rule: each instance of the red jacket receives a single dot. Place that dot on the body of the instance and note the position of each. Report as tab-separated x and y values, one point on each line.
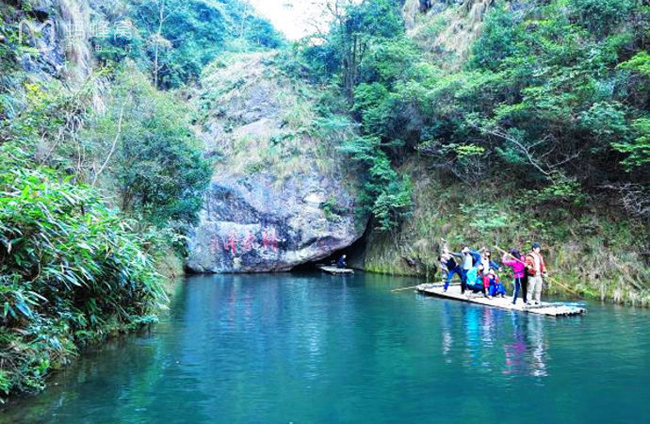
530	263
486	280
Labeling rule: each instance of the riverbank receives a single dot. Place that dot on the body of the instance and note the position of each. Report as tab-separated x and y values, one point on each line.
73	272
594	250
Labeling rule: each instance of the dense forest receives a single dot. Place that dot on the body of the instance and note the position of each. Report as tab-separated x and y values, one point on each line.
479	121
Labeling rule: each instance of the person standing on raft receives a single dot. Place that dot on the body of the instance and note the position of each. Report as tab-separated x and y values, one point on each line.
536	271
519	268
341	262
486	260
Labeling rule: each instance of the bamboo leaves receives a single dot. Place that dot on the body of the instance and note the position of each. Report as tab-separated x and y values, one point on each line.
69	266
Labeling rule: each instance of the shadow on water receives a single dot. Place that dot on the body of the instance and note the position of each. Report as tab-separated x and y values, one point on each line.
311	347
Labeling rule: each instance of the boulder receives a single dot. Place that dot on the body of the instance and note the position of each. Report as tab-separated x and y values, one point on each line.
247	225
279	196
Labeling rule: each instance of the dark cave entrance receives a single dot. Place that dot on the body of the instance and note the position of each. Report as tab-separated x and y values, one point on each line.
355	255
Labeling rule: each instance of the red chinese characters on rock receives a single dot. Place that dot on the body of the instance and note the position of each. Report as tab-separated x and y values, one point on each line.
231	244
248	242
240	244
270	239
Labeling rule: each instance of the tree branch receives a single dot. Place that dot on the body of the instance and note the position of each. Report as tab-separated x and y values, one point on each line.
110	153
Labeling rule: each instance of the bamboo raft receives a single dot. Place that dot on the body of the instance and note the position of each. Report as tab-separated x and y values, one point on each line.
545	308
336	271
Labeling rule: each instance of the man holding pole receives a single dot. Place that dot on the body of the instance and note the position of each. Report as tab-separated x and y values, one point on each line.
536	269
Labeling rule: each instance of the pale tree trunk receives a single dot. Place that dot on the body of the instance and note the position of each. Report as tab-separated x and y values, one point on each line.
245	14
161	20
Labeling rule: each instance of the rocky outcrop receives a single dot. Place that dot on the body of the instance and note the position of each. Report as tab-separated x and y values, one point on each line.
57	34
280	195
248	226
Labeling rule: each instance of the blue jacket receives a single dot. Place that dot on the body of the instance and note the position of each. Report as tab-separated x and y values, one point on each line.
473	278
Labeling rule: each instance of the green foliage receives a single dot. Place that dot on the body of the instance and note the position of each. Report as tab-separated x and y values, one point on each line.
358	31
547	94
602	16
388	61
158	170
372	102
561	192
71	270
137	144
557	92
638	150
498	40
485	217
607	122
332	210
384	193
193	33
639	63
366	53
173	40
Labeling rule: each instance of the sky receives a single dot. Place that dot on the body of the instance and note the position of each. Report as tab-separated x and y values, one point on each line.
292	17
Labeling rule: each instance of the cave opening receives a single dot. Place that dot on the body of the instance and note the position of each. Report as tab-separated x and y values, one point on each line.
355	255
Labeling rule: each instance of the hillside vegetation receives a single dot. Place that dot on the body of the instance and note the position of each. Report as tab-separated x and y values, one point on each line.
506	122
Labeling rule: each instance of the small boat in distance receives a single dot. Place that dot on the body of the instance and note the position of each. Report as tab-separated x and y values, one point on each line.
335	270
544	308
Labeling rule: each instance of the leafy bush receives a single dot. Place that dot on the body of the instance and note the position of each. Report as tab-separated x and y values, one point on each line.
485	217
71	271
158	170
638	150
177	38
601	16
385	194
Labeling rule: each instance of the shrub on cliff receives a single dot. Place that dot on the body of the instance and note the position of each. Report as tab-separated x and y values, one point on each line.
158	170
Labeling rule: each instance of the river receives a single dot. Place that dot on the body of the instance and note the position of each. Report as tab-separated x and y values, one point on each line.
312	348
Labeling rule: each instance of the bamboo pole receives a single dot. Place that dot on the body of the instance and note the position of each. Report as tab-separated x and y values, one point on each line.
550	278
404	288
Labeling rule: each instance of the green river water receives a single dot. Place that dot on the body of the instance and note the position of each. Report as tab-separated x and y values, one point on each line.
312	348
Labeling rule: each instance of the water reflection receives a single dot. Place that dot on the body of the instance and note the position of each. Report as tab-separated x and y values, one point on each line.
515	350
447	338
495	340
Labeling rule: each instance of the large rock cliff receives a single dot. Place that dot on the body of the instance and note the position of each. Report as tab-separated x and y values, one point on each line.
280	195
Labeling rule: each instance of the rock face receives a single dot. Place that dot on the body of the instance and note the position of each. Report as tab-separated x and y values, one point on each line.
279	196
46	29
248	226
